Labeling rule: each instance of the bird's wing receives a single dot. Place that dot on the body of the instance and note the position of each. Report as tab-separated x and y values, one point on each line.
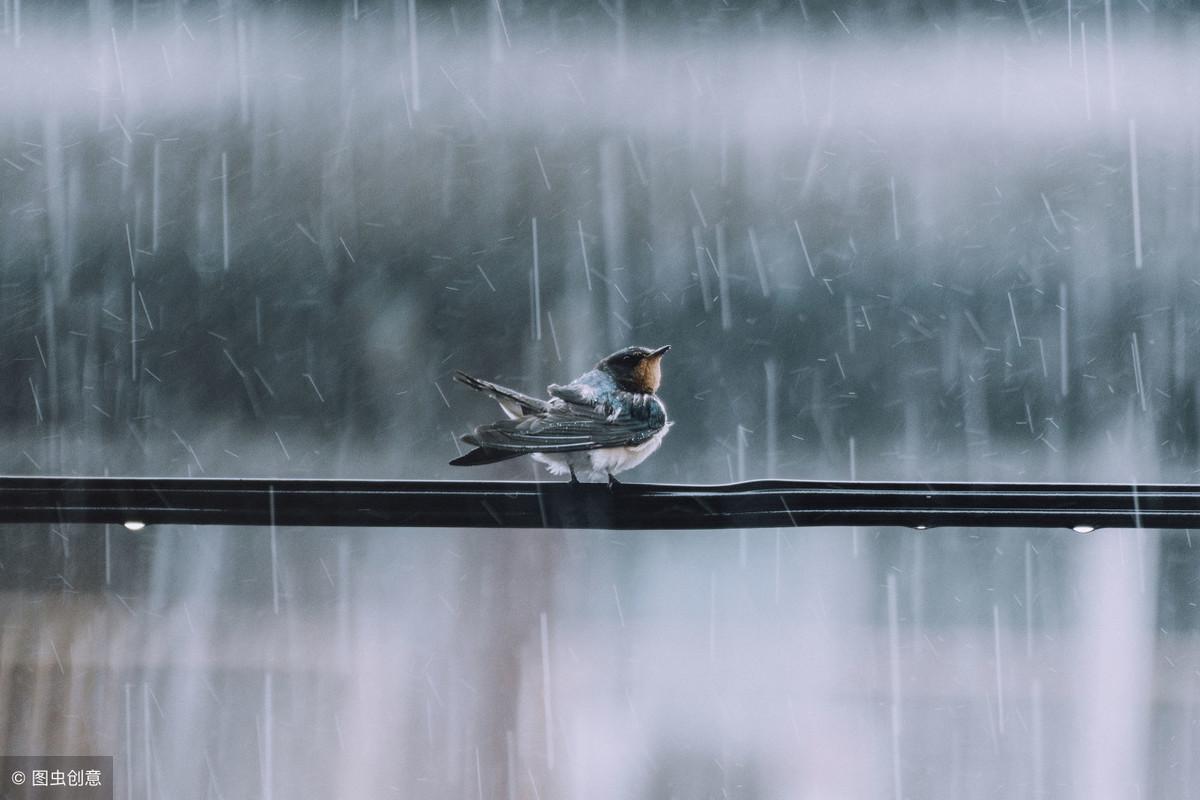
566	428
576	394
591	390
513	403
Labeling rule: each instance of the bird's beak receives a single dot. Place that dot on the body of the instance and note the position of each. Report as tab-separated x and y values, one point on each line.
660	351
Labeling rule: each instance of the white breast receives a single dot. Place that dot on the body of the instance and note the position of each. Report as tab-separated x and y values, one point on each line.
597	465
612	460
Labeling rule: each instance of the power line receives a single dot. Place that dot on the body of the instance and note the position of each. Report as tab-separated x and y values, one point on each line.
469	504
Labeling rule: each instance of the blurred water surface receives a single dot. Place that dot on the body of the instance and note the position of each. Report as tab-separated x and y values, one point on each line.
933	241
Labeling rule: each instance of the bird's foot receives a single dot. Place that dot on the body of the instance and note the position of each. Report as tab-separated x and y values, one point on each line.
613	483
574	477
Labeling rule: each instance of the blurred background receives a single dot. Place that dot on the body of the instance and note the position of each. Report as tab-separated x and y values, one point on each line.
886	240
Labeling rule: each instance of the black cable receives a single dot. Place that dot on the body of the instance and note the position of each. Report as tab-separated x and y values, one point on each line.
467	504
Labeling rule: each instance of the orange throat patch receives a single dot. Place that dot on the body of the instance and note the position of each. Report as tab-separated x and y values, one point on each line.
648	375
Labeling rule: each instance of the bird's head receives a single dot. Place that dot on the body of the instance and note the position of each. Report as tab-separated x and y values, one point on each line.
636	369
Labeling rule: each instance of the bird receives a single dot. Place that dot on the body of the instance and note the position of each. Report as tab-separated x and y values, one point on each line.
606	421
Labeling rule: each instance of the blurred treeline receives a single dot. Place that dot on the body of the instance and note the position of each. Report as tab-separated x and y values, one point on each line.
259	243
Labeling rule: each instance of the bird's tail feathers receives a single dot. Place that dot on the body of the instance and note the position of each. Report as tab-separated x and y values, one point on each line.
483	455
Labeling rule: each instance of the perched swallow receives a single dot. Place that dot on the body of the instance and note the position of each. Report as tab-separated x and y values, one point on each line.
605	421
